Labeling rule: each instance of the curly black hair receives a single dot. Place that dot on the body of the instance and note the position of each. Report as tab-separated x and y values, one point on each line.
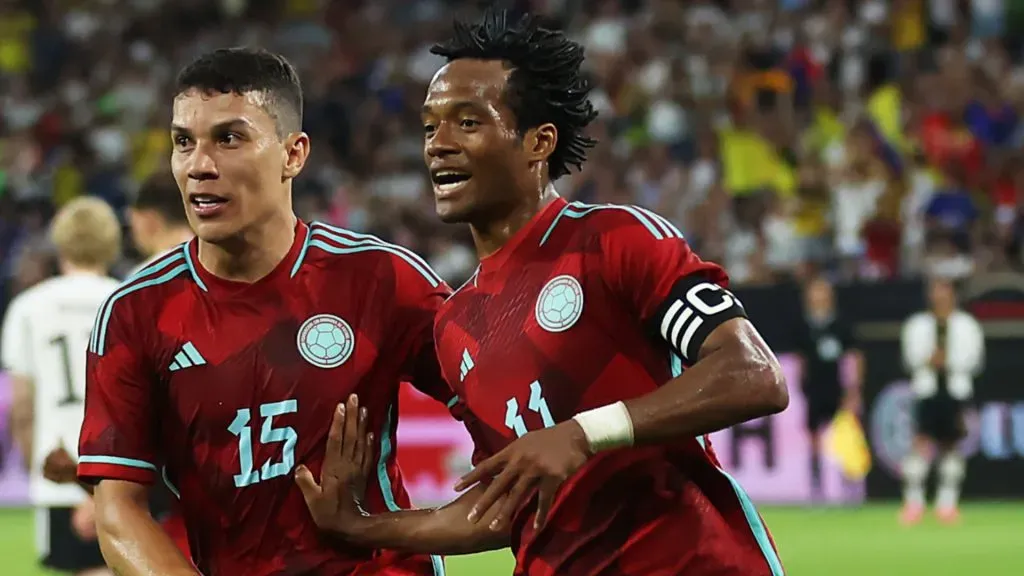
242	70
545	84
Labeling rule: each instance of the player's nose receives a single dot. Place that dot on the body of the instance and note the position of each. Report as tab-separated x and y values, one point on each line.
202	165
441	143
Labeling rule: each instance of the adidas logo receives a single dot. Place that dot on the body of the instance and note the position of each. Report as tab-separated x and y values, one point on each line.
466	365
187	357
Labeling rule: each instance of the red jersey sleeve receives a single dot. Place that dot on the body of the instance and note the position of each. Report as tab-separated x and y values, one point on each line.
419	293
647	262
118	438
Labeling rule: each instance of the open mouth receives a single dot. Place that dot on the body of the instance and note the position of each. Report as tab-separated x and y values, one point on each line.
447	180
206	204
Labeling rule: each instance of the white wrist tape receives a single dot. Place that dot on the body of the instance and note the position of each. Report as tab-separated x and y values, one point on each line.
606	427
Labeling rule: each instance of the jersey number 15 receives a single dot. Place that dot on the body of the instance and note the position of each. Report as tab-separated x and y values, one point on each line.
268	434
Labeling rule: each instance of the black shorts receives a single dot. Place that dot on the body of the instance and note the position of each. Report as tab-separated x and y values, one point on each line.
940	418
66	551
821	410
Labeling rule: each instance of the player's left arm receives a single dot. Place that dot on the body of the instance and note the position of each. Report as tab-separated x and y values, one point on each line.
856	355
732	375
16	360
968	356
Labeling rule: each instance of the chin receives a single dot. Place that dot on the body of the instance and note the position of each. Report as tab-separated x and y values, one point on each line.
215	232
451	213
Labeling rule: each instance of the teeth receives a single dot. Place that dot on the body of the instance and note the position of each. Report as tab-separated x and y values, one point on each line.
450	186
443	173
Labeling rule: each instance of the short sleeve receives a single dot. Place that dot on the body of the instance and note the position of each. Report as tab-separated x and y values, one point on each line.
15	352
118	440
419	295
647	262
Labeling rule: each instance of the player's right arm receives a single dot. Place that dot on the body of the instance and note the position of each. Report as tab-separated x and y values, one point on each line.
17	361
118	452
335	501
917	347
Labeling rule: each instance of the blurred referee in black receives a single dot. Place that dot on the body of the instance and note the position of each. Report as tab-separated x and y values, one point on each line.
824	338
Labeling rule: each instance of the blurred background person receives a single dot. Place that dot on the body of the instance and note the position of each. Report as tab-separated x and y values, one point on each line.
826	339
157	217
45	334
944	350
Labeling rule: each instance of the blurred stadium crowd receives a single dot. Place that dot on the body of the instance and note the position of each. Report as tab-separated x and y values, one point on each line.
868	139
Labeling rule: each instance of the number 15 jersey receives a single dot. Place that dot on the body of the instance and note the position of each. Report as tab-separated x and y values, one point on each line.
222	388
583	307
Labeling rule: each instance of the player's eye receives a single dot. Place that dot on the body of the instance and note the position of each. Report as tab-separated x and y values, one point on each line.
469	123
230	138
181	141
429	128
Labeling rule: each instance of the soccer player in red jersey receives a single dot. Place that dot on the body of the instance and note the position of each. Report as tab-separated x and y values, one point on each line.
218	367
592	352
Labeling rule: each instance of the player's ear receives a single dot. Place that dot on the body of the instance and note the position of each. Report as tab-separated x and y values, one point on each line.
540	142
296	151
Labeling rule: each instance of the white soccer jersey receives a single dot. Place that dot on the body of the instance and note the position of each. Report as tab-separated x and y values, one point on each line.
45	336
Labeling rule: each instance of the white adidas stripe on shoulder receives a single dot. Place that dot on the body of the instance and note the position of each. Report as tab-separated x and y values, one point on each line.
348	242
657	225
163	270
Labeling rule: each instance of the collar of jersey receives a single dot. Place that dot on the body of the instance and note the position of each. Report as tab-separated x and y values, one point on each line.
525	241
218	286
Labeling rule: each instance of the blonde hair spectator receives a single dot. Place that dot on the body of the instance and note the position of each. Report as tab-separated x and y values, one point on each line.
87	233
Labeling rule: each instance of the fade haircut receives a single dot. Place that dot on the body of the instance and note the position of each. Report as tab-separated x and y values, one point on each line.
243	70
545	83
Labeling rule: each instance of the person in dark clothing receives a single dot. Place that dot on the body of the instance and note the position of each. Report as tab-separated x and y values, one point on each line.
825	338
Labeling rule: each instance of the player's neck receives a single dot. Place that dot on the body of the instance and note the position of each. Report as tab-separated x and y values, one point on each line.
253	254
489	237
171	238
69	269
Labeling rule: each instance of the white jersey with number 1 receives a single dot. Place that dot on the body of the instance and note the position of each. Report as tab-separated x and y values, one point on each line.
45	337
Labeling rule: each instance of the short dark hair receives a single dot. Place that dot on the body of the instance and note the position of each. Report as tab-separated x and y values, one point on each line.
545	84
160	194
242	70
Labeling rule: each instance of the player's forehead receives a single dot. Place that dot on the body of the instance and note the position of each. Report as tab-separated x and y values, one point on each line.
197	111
468	81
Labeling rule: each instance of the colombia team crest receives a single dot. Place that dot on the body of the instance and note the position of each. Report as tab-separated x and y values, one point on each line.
559	304
325	341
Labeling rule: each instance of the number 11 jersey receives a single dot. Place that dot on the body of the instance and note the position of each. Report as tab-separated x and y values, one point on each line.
220	389
583	307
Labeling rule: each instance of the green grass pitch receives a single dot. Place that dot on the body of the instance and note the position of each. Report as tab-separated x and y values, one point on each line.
812	542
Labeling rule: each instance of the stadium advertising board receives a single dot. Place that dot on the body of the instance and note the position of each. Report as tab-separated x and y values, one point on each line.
770	457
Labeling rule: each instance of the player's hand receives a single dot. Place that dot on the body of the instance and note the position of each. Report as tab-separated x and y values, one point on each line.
541	460
335	502
83	520
60	467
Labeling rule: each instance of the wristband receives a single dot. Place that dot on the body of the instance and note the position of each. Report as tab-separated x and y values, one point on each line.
606	427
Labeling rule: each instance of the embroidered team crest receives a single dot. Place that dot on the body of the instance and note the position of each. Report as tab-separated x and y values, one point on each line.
325	341
560	304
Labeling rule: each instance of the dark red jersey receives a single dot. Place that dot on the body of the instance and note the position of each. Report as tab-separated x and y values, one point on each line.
584	307
222	388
